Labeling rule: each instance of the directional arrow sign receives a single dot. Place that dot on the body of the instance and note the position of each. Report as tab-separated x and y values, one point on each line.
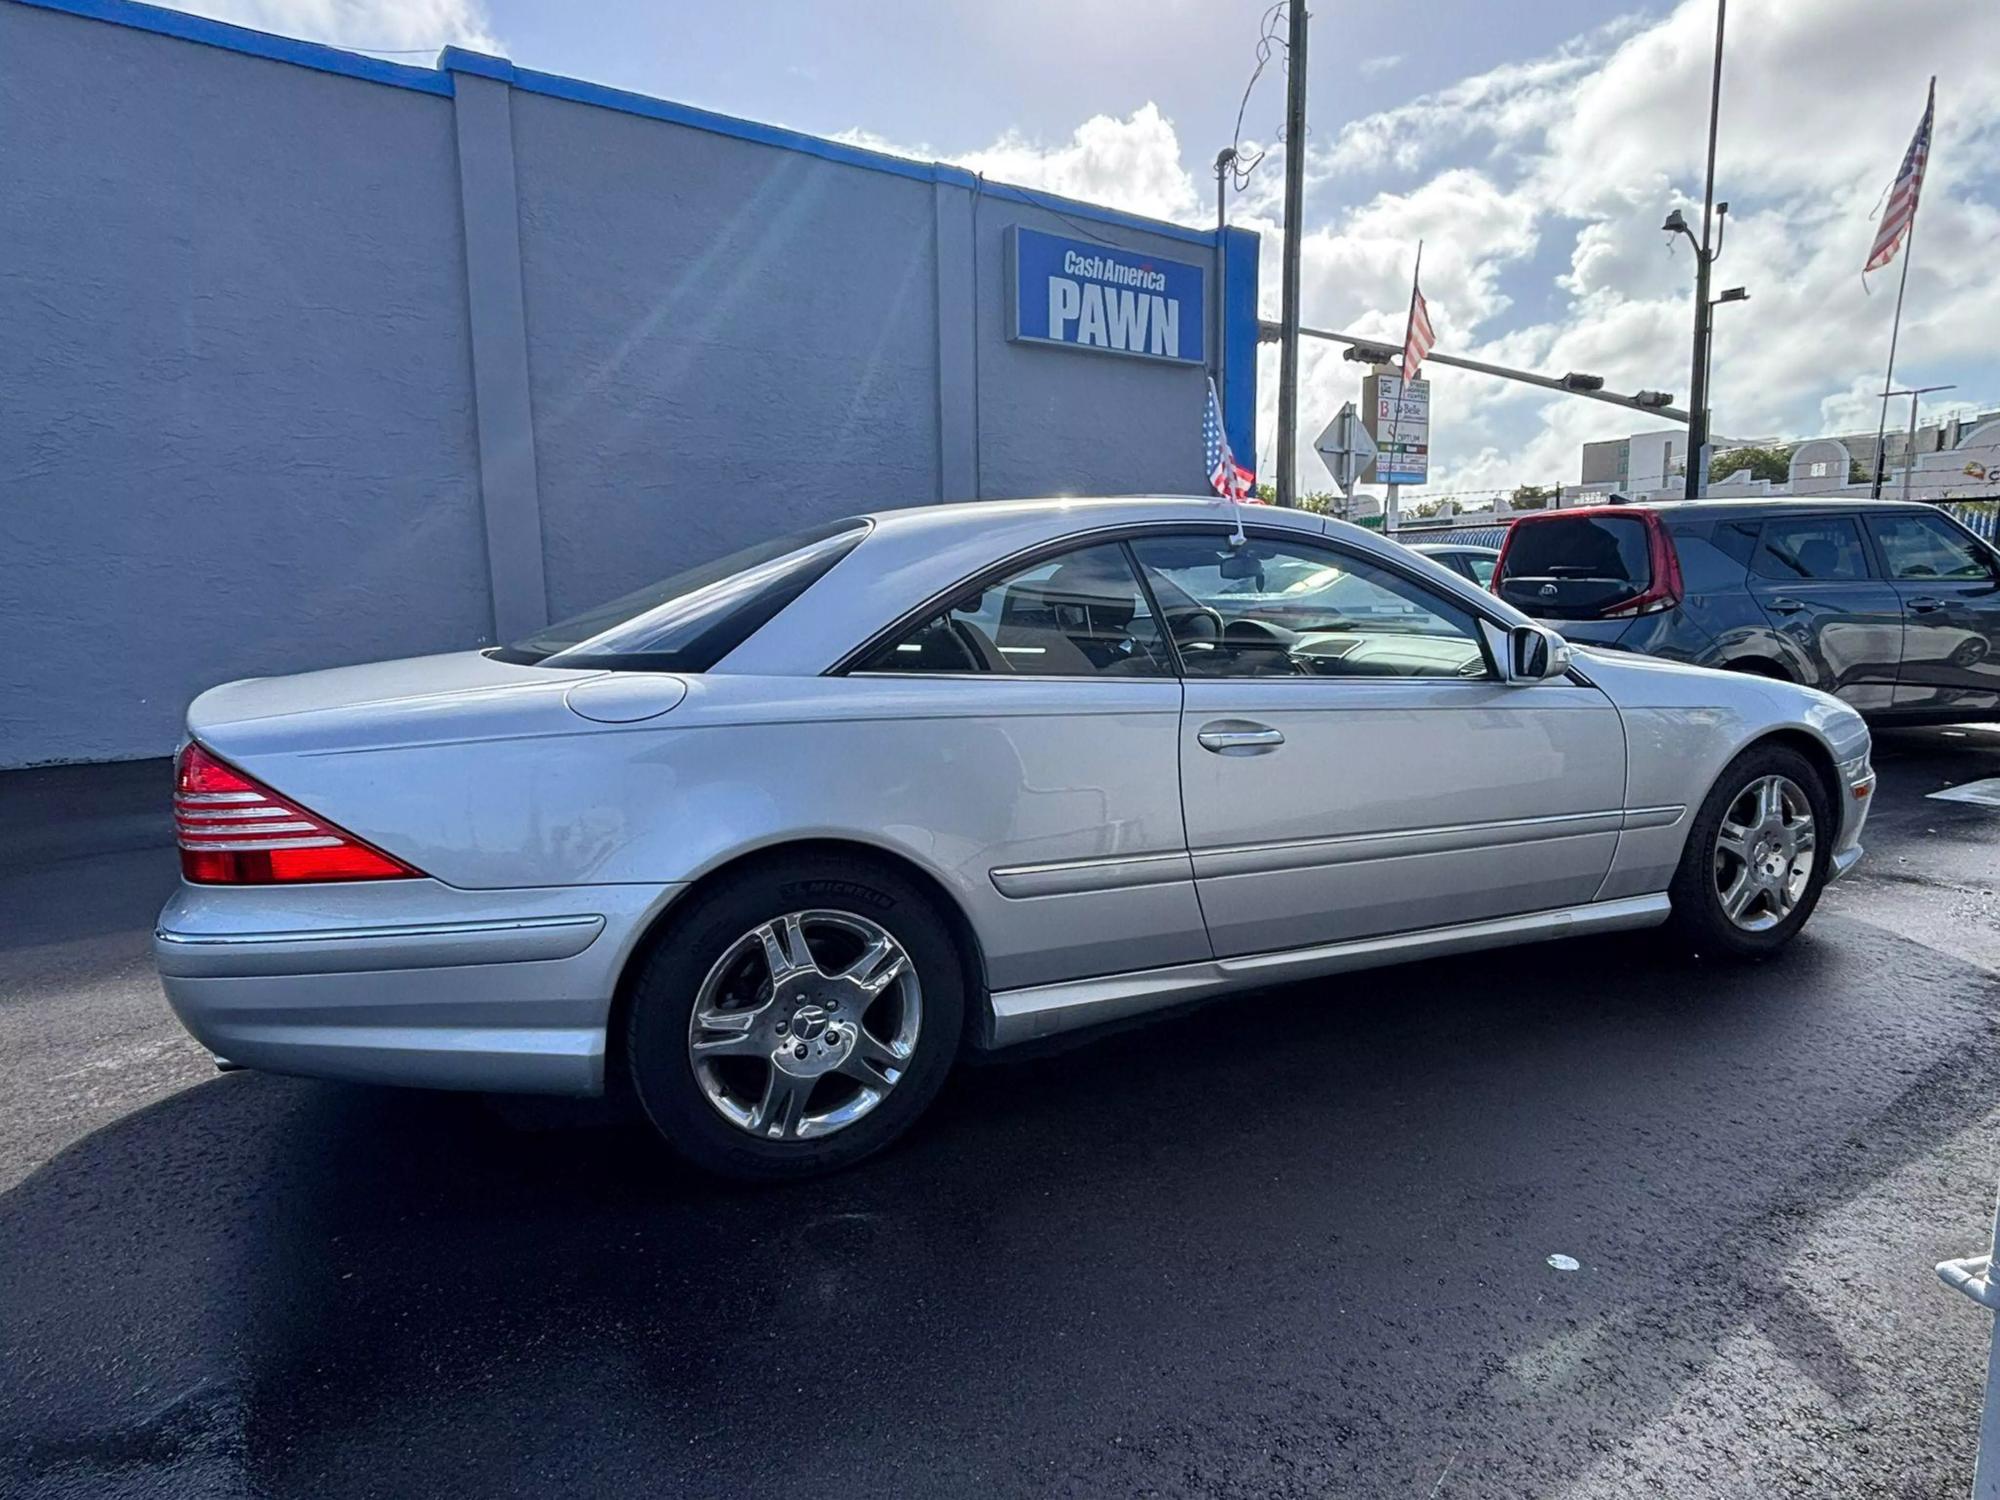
1347	448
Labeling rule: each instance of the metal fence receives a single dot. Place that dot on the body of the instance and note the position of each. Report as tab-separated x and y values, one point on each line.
1982	518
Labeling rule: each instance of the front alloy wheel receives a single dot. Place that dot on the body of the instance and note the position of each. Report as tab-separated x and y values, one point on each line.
1751	871
1764	852
805	1024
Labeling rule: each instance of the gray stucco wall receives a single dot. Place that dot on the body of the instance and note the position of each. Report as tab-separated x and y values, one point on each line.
725	340
236	430
307	359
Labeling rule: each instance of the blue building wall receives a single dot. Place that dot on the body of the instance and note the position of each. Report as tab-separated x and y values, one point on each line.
308	358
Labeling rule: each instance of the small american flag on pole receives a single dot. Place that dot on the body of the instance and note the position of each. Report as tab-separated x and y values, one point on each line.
1226	476
1418	340
1902	205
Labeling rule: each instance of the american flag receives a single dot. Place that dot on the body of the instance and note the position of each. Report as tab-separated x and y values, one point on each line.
1226	476
1902	205
1418	341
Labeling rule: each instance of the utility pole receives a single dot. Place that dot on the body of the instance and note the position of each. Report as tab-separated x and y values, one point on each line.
1295	191
1697	466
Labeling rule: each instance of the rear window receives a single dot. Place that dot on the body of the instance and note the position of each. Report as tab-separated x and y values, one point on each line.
1576	567
689	622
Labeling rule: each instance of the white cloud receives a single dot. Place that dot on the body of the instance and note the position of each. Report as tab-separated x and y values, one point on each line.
1387	62
1133	164
413	26
1588	147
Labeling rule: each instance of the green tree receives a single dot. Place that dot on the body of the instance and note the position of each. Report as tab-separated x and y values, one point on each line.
1532	496
1774	464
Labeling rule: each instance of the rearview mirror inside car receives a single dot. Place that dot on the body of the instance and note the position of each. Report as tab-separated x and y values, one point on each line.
1242	564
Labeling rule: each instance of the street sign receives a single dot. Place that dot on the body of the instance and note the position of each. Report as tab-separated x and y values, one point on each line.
1399	419
1346	448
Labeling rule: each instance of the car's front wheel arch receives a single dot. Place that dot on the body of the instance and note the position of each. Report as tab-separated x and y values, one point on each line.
1760	666
1704	918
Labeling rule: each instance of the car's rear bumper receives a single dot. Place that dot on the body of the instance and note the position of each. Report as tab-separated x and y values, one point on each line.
409	981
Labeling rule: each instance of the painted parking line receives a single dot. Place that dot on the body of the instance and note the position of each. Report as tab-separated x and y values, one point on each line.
1985	793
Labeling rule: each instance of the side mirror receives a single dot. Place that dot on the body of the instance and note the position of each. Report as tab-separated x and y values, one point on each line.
1535	654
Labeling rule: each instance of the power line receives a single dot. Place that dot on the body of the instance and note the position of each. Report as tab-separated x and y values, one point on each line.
1268	39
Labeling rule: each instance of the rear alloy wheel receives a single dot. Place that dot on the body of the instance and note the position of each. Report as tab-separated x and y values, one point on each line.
805	1024
1755	860
796	1018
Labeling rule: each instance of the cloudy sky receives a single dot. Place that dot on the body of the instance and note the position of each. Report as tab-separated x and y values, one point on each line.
1534	145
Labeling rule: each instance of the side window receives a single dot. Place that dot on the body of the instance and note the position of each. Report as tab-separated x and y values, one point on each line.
1292	609
1080	614
1708	567
1915	545
1810	548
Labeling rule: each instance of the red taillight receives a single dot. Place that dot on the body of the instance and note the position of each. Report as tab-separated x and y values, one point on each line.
1665	589
236	831
1500	562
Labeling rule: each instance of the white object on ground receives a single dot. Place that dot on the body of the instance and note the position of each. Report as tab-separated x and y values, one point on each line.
1565	1262
1986	793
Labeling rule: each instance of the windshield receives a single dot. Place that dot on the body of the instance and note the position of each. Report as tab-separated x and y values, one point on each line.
689	622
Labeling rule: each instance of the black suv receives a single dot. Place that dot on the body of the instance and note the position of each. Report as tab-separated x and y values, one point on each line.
1894	607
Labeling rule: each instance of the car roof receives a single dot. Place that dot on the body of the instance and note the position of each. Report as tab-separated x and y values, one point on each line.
1079	512
1773	505
1473	547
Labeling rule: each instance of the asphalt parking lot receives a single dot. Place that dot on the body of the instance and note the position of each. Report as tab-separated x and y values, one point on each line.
1294	1244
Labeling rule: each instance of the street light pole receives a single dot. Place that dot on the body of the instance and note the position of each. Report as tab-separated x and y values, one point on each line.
1910	442
1224	160
1295	190
1698	403
1734	294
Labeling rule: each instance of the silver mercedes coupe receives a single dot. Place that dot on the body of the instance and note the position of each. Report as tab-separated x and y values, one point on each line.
773	841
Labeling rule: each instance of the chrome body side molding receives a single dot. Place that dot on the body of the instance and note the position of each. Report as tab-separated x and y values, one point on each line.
352	950
1114	872
1048	1009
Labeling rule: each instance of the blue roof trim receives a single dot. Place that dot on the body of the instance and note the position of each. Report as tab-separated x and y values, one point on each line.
263	44
438	80
484	64
576	91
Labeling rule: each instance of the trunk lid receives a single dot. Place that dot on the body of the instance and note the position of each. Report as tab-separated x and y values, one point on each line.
380	703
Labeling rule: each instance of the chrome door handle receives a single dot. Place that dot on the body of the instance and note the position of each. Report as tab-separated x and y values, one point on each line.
1251	739
1926	606
1787	606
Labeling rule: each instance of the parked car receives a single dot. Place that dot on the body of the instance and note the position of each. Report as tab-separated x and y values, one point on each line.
1893	607
1463	558
773	839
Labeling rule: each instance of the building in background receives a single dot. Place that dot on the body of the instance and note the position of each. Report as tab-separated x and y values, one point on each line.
1956	458
312	358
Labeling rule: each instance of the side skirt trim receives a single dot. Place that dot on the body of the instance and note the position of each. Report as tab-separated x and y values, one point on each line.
1048	1009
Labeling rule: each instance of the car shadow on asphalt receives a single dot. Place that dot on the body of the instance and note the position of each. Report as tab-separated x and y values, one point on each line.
1321	1211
